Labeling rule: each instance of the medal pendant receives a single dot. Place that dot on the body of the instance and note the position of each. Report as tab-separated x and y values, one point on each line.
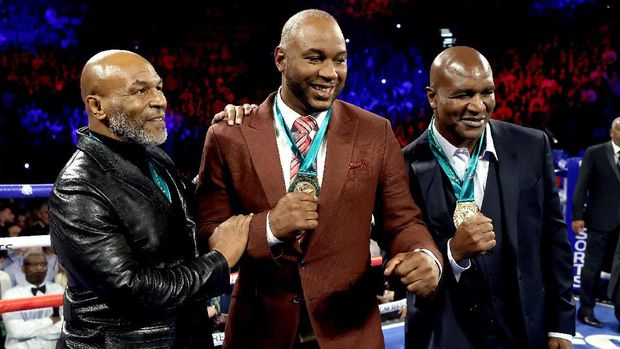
464	211
305	183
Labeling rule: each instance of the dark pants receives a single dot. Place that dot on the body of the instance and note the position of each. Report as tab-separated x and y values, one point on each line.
598	247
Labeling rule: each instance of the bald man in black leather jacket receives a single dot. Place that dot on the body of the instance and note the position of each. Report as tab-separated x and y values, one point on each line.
120	222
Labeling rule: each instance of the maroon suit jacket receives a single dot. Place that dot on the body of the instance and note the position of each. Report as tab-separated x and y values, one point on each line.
364	171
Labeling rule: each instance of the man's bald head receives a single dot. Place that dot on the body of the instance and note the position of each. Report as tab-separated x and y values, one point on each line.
462	95
103	67
291	28
458	61
123	97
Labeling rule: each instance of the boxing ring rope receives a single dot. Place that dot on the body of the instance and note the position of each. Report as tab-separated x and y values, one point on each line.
24	242
19	304
26	191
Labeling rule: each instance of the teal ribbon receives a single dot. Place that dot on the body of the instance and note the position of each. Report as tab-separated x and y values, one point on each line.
307	162
159	181
463	188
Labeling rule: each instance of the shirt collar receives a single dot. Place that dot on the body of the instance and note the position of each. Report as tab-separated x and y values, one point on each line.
451	151
290	115
615	147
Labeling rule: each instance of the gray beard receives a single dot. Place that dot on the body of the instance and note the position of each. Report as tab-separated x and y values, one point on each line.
130	131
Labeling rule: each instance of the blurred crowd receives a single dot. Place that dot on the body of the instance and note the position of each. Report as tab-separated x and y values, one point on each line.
564	82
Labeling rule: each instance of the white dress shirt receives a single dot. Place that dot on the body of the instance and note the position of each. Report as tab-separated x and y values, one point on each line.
31	329
616	149
5	282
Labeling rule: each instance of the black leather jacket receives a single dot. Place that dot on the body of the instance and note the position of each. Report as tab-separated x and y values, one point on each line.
135	275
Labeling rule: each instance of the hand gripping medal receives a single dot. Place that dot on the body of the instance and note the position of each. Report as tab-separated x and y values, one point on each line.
466	206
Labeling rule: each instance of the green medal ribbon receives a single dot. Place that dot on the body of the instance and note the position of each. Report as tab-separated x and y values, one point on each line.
159	181
463	188
307	163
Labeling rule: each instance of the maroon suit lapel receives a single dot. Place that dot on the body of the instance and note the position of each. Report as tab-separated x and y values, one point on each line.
261	141
340	141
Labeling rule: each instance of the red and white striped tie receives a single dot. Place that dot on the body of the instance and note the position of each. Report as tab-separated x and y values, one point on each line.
303	125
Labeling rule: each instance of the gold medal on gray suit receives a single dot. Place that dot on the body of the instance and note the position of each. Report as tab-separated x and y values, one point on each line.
463	211
305	183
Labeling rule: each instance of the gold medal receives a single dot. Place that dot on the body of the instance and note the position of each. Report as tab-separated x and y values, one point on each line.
306	184
305	187
463	211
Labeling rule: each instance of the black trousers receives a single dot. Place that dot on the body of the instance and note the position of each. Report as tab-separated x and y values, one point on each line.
598	247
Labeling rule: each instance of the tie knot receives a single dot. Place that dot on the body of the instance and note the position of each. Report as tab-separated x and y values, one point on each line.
305	124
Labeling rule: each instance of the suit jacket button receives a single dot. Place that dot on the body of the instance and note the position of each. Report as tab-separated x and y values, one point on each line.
296	299
302	264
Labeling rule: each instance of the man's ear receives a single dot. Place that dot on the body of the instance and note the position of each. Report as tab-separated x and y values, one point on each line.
95	107
280	58
431	94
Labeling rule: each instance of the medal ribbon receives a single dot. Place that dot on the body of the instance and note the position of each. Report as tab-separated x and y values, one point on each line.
463	188
307	162
159	181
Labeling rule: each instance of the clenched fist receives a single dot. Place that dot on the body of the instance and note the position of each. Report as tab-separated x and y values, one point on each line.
293	214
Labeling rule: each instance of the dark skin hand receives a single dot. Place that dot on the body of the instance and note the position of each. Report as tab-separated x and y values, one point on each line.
231	237
293	214
416	270
234	114
559	343
472	237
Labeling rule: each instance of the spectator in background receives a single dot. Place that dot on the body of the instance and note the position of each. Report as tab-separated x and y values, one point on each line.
5	279
596	207
6	218
35	328
15	269
42	218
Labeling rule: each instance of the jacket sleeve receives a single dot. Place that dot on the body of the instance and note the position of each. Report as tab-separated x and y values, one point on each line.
217	201
581	188
399	218
556	256
87	236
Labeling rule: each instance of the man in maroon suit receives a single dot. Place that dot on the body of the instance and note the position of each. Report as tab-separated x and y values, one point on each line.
313	170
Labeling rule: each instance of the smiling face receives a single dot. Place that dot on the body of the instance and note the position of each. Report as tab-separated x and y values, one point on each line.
126	98
461	95
313	65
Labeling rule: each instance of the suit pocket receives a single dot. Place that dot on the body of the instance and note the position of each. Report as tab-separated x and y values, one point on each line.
359	170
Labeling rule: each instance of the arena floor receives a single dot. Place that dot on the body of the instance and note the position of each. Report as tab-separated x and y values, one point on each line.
586	337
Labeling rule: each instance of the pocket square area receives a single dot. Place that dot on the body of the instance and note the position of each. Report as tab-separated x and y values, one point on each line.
357	164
